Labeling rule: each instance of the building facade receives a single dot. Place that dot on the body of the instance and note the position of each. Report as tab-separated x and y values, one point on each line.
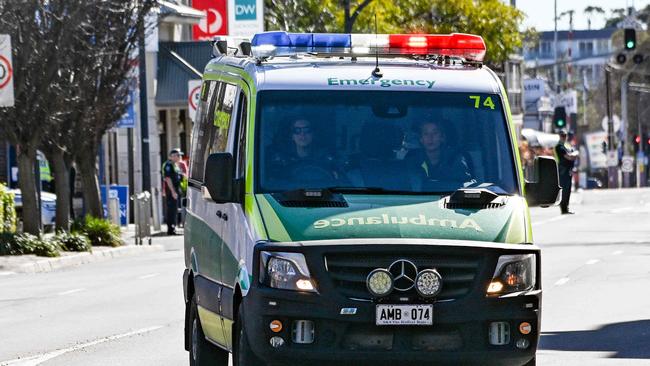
589	51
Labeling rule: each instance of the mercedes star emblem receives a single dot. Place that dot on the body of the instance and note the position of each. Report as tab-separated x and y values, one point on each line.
404	273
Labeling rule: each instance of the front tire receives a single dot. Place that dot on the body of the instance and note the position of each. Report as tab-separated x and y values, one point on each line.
242	354
202	352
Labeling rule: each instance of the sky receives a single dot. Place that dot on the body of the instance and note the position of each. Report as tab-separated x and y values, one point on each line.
539	13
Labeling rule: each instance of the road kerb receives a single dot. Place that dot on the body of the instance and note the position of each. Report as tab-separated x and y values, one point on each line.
51	264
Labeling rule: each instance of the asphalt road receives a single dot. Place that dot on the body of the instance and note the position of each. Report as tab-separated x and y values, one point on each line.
129	311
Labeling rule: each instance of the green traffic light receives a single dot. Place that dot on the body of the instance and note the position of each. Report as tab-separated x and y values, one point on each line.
560	123
629	44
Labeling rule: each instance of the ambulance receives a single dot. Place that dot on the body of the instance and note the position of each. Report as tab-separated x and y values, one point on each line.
359	199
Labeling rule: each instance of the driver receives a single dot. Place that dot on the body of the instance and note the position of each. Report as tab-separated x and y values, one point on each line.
301	152
436	160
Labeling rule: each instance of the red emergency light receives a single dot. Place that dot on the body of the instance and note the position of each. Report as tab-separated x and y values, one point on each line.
467	46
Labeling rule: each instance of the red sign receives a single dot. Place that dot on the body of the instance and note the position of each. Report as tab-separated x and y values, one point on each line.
215	22
5	71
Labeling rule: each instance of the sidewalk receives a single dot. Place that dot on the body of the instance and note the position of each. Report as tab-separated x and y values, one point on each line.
34	264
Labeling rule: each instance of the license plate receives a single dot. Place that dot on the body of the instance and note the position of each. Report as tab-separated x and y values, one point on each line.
404	315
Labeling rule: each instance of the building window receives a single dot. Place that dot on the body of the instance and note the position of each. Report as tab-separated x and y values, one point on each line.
545	48
586	48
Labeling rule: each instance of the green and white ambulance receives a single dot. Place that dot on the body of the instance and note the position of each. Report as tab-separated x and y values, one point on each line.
359	199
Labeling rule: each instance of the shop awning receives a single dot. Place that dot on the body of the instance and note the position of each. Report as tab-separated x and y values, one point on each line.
172	12
179	62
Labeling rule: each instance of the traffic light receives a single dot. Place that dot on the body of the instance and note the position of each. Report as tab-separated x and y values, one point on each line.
559	118
638	58
630	38
637	143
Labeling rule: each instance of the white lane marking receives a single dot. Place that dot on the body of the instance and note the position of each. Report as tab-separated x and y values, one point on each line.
4	273
618	252
592	261
148	276
38	359
562	281
70	292
622	209
557	218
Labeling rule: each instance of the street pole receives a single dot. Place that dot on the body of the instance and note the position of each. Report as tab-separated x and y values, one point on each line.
555	68
144	111
639	156
612	173
624	84
39	189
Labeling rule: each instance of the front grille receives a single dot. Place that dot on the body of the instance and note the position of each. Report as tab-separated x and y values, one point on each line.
348	272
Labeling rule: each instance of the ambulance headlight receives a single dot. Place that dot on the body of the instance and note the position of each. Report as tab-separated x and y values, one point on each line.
514	273
286	271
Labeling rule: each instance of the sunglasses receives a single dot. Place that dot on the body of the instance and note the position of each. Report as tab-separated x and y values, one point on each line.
301	130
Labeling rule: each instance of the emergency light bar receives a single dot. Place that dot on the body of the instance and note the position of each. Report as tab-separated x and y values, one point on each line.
467	46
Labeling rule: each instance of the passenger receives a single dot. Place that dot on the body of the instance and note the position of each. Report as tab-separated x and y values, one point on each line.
436	160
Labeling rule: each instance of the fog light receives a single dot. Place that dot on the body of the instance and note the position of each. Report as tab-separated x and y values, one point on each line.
522	343
499	333
276	326
380	282
428	283
525	328
276	342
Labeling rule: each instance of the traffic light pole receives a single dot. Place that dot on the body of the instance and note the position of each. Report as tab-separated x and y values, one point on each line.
624	123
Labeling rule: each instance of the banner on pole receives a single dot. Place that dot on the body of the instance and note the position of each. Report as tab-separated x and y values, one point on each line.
6	72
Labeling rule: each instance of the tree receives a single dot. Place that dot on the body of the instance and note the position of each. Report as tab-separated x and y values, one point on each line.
351	12
589	12
299	16
40	31
106	54
617	16
501	33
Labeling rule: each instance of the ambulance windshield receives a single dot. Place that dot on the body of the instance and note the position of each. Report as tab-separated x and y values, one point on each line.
411	142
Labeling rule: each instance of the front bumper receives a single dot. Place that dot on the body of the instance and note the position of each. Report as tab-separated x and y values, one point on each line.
459	334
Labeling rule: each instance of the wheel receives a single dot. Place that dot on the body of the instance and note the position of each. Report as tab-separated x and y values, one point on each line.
202	352
531	362
242	354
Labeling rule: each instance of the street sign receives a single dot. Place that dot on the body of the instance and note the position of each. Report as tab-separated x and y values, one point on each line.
534	89
6	72
122	194
568	100
612	158
617	123
193	96
128	119
627	164
215	22
245	17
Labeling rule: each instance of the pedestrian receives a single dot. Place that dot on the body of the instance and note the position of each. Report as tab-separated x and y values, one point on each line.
172	177
566	157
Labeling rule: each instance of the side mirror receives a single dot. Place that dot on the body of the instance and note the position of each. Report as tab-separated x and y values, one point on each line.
545	190
218	178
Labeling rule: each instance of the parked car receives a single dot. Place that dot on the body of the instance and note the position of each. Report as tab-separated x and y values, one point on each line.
48	208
